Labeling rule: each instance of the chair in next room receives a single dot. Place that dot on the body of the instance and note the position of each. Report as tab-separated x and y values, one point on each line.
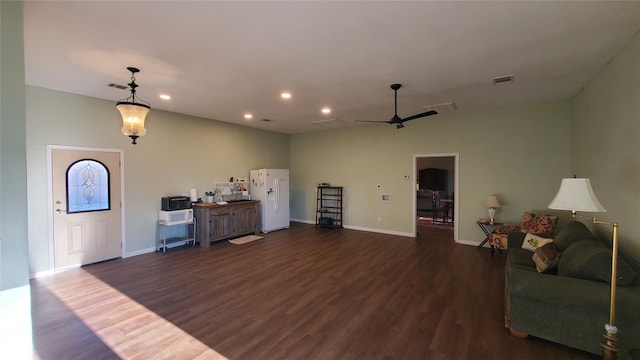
439	211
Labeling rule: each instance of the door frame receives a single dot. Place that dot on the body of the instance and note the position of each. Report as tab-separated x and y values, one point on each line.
456	189
50	206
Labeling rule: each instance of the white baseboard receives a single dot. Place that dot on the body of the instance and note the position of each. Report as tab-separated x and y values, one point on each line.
140	252
360	228
303	221
380	231
468	242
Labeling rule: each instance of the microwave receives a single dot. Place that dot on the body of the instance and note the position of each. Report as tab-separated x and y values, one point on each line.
170	203
175	217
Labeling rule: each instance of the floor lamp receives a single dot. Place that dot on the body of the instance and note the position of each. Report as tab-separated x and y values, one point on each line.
576	194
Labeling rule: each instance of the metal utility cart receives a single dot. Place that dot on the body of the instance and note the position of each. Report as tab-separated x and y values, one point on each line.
329	207
165	231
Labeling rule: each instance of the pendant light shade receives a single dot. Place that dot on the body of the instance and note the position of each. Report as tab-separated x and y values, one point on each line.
133	116
133	113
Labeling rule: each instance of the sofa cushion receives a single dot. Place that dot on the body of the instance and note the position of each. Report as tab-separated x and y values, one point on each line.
538	224
516	238
546	257
591	260
570	233
520	256
532	242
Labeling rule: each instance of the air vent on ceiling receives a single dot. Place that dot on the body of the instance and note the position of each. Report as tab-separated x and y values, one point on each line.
328	123
442	108
506	79
118	86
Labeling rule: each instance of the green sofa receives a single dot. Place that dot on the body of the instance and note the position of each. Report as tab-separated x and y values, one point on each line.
569	304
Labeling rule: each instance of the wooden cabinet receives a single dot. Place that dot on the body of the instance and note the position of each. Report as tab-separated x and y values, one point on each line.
219	222
433	179
244	218
329	207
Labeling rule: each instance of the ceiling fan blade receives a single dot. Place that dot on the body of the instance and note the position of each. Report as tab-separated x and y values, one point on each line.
417	116
374	121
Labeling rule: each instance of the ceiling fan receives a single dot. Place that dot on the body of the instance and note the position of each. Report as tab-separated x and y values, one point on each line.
396	120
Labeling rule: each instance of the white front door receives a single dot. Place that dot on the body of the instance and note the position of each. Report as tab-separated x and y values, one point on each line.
86	196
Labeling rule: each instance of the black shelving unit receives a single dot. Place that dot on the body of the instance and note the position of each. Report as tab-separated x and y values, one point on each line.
329	207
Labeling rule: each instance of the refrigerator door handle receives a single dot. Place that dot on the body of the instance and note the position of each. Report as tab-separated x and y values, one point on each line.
275	205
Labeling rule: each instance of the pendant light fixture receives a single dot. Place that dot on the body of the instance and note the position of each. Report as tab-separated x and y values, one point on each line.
133	113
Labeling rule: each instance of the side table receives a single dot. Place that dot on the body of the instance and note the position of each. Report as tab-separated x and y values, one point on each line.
163	240
484	226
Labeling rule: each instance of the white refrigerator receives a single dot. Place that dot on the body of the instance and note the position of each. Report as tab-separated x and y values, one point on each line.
271	187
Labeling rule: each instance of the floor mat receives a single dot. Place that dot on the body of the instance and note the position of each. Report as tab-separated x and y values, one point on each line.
245	239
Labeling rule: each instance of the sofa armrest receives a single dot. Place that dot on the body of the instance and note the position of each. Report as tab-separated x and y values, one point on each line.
516	238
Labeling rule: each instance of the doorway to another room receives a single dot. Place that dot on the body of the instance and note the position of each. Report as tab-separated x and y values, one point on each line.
435	204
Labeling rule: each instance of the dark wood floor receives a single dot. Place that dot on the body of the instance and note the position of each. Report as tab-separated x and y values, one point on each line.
302	293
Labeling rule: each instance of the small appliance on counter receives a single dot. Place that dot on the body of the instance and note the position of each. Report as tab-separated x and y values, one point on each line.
170	203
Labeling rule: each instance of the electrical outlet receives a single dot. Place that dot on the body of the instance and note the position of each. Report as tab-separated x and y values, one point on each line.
379	218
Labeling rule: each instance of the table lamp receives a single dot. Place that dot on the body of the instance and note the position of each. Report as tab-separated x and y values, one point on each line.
492	203
576	194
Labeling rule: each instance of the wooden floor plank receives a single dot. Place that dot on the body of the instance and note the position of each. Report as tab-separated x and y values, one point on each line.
301	293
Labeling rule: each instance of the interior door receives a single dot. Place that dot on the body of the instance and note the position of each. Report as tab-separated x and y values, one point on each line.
86	194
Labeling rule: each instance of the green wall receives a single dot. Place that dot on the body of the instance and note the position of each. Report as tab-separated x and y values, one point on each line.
178	153
15	294
518	153
605	142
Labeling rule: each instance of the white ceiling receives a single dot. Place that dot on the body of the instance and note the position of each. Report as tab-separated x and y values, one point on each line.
219	60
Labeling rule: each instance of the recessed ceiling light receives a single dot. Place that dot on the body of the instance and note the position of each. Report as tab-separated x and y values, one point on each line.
248	116
326	110
165	97
285	95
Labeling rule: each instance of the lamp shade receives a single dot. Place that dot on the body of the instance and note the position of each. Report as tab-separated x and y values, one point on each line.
491	202
133	116
576	194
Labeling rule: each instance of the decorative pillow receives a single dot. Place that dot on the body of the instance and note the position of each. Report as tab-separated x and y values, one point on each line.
532	242
499	238
538	224
591	260
500	241
546	257
570	233
505	229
